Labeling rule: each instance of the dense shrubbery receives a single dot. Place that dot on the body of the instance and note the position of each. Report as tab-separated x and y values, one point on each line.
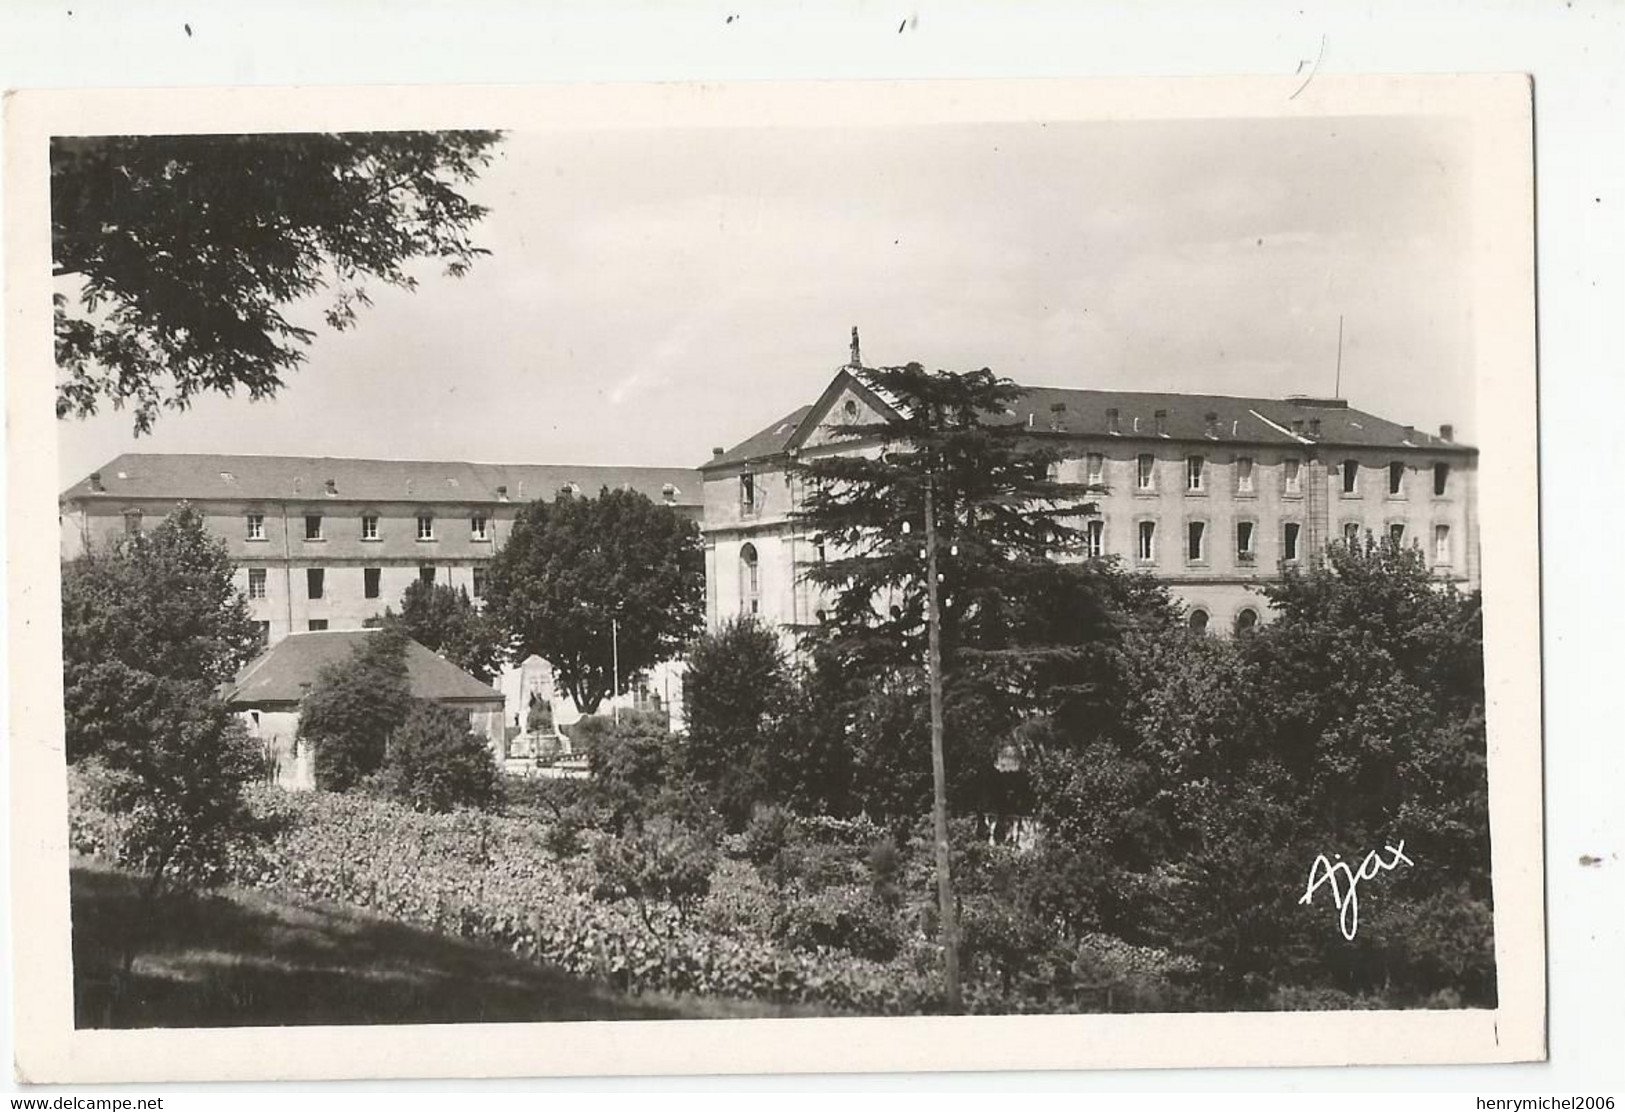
434	762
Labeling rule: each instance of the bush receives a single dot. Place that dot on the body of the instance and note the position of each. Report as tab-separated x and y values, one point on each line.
844	917
664	866
353	708
436	763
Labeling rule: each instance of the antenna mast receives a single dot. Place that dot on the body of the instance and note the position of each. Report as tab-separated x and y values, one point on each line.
1337	390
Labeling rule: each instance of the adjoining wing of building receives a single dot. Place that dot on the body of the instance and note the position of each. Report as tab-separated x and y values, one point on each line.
1211	494
328	543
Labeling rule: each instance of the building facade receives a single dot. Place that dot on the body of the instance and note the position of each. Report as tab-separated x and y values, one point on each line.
1212	495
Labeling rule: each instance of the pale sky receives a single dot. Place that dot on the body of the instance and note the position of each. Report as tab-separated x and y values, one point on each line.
651	294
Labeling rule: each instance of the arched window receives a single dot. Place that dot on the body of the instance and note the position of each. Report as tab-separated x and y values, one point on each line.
1246	619
750	579
1198	620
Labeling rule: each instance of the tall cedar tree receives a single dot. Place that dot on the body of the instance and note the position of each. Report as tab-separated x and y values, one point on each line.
574	565
144	610
1002	519
443	619
177	254
354	706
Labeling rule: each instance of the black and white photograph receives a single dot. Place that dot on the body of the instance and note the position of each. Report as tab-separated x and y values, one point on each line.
753	567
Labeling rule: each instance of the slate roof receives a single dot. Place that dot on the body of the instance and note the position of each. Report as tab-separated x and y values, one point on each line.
1237	420
770	441
304	478
284	672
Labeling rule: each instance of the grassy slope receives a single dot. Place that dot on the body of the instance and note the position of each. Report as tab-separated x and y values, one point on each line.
240	958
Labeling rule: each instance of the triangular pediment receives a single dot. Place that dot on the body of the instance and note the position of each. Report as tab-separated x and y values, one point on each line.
846	401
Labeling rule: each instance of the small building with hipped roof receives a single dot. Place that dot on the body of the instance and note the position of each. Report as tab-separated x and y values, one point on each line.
268	691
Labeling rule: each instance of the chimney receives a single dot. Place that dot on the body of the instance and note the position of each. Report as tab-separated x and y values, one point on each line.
857	360
1314	426
716	453
1161	416
1447	432
1057	417
96	482
1113	424
1212	420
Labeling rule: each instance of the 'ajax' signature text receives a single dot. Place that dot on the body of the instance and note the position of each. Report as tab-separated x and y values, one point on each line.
1344	882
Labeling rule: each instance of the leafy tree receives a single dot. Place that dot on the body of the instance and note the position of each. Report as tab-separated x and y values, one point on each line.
178	794
574	566
434	762
631	762
734	691
1351	721
153	606
443	619
354	707
185	251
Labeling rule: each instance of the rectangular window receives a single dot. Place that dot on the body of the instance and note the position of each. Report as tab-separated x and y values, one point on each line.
313	527
1146	472
315	582
1244	541
256	582
426	573
1094	468
479	583
1351	535
369	527
1396	477
1289	541
476	527
425	527
1194	472
1292	471
1095	536
1441	544
1196	531
371	582
1244	475
1351	476
747	492
1396	533
1148	540
316	625
263	631
132	522
1441	479
256	527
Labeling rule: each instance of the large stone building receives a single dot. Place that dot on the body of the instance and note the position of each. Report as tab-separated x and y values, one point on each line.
1210	494
326	544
